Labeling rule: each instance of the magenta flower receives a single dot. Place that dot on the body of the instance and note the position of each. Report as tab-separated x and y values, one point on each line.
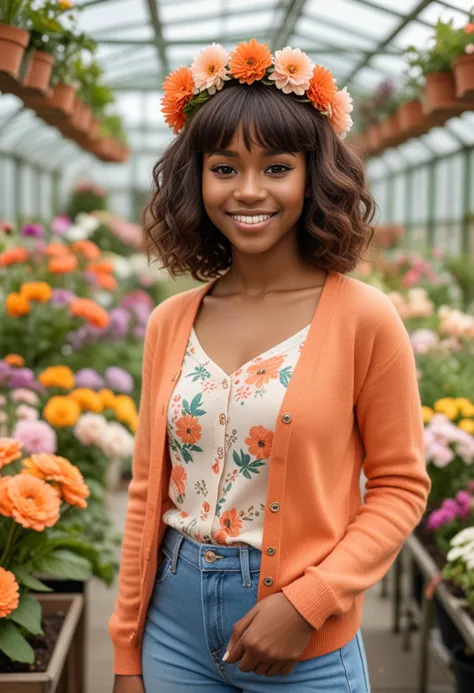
61	224
32	230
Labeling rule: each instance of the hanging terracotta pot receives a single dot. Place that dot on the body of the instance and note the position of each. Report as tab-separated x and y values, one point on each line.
411	118
80	118
390	128
61	102
374	134
87	118
105	148
13	43
464	76
38	72
440	96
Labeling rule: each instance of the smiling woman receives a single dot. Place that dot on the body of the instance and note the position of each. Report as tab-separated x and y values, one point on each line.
254	153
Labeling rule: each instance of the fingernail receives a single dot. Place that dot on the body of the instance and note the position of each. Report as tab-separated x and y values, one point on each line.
226	656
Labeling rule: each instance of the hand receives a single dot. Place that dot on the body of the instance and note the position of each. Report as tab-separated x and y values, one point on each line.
270	638
128	684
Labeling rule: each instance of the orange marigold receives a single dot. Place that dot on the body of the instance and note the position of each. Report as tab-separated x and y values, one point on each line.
57	376
6	505
55	249
249	61
106	281
35	503
108	398
102	266
14	360
63	265
62	411
89	249
10	450
36	291
322	88
87	399
13	256
59	470
178	88
16	305
90	311
9	593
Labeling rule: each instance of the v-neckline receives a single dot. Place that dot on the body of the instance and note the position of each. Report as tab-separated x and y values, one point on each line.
288	343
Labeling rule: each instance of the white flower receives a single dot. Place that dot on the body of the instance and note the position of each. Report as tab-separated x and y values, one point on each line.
209	69
91	429
77	233
122	267
88	222
23	411
21	394
117	441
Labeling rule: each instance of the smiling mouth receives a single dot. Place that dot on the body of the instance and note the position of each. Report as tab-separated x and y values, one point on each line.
251	220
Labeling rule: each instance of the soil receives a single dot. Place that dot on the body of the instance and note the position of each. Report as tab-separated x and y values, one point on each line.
43	645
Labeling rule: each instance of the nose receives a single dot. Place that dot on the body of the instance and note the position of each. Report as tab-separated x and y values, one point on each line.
250	188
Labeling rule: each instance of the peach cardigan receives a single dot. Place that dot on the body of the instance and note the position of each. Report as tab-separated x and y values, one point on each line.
353	400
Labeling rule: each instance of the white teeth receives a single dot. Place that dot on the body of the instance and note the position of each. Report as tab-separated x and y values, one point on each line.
251	220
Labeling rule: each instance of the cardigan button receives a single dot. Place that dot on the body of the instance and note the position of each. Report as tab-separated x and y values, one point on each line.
286	418
275	507
271	551
268	582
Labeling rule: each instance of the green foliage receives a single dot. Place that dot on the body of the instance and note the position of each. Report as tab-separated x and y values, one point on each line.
86	198
446	374
14	12
462	270
112	126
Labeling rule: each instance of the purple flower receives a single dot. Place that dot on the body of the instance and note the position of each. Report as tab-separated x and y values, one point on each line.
119	379
5	372
464	499
61	224
450	506
62	297
32	230
22	377
142	312
88	377
119	322
90	277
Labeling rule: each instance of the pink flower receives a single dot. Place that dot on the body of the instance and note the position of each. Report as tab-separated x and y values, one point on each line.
341	108
23	411
411	278
470	48
209	70
293	70
25	396
36	436
469	28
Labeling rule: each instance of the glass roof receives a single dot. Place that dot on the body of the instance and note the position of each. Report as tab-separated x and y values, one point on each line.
141	41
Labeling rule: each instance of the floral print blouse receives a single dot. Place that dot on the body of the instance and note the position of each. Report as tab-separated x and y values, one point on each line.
220	433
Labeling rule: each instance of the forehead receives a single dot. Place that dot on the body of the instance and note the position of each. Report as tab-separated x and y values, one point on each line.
238	146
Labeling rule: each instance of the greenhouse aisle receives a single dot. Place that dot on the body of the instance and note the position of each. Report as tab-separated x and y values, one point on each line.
391	670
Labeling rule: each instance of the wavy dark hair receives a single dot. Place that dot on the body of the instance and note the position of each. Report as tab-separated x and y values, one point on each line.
334	228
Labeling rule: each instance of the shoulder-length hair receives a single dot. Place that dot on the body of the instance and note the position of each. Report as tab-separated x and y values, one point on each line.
334	228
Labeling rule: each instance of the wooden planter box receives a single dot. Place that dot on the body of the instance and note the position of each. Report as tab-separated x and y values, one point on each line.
65	673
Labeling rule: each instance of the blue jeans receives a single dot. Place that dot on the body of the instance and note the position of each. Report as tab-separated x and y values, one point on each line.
194	606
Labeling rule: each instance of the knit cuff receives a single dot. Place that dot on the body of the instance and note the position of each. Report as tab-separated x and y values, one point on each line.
127	660
313	598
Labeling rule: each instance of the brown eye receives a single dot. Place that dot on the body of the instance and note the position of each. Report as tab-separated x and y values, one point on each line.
223	168
282	167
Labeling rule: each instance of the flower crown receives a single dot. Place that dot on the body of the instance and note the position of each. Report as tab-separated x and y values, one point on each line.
187	89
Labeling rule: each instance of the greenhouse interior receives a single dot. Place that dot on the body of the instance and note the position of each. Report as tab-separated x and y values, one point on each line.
92	96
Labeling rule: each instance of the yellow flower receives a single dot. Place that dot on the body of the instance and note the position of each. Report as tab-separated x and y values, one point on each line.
57	376
466	407
427	414
36	291
467	425
16	305
133	423
87	399
62	411
447	406
125	408
65	4
108	398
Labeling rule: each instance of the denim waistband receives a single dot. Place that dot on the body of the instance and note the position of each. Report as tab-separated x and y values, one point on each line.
210	557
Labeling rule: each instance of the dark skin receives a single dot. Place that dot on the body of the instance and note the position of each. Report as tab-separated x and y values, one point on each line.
269	294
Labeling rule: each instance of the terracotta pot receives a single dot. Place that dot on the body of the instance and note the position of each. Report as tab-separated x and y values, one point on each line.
440	95
61	102
80	119
38	72
391	131
105	148
13	43
87	117
464	76
411	119
374	134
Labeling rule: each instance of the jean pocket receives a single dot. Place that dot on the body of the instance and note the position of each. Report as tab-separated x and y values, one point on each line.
163	568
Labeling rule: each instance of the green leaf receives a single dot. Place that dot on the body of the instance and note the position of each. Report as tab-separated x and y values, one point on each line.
24	577
285	375
195	404
13	644
28	614
64	564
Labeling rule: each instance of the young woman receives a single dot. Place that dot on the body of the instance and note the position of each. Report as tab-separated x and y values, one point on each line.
247	548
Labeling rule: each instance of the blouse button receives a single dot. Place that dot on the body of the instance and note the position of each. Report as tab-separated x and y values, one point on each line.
225	384
222	419
275	507
271	551
286	418
268	582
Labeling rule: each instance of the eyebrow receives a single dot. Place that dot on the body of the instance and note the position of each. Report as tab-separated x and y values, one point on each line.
235	155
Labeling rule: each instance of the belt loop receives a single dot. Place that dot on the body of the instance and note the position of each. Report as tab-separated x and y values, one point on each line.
245	566
176	548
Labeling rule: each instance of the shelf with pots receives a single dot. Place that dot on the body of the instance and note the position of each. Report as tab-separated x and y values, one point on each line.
42	63
438	85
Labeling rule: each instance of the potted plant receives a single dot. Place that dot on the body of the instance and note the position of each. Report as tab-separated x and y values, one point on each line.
458	46
13	40
386	102
33	499
369	125
410	112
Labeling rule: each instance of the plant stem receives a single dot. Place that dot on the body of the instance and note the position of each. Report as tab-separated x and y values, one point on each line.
3	559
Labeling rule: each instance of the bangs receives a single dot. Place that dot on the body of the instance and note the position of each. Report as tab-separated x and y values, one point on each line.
268	119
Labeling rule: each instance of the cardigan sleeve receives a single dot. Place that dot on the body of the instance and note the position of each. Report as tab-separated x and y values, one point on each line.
388	413
123	621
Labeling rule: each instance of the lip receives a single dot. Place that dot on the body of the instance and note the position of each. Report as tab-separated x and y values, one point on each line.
252	227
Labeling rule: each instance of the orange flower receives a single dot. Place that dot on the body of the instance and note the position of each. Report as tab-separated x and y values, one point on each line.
61	471
322	89
261	372
36	291
99	267
179	477
6	505
106	281
178	88
57	376
189	429
16	305
469	28
90	311
260	442
63	265
87	248
12	256
87	399
10	450
14	360
206	507
62	411
9	593
250	61
35	503
231	525
108	398
57	250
